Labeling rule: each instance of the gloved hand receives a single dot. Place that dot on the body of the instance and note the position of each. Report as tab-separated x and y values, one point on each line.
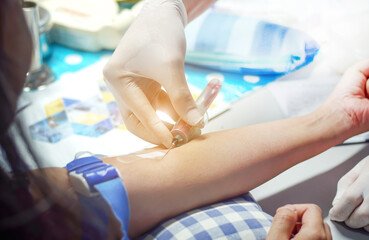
351	203
151	56
302	221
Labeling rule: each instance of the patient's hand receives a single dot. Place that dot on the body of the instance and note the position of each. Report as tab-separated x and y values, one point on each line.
302	221
351	203
351	99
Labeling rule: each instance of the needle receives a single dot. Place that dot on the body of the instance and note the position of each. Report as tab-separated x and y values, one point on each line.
181	130
175	140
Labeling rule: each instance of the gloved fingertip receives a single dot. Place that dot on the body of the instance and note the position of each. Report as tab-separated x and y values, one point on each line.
332	215
167	143
201	124
335	200
195	118
196	133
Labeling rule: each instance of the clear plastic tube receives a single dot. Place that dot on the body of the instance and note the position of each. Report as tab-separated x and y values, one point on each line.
182	131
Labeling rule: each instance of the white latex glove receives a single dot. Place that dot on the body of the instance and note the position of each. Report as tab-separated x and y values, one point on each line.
351	203
151	56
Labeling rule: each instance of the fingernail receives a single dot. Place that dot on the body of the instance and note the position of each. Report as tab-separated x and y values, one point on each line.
194	117
168	143
201	124
291	207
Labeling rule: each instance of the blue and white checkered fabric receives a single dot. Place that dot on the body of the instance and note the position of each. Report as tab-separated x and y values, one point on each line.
236	218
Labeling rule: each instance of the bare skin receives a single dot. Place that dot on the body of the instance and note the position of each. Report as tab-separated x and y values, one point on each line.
304	221
204	170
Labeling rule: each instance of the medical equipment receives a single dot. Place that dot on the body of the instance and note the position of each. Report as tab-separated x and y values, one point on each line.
99	188
45	26
182	132
89	25
39	74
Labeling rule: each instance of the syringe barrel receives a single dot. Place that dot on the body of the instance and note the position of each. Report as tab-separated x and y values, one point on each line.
208	95
183	131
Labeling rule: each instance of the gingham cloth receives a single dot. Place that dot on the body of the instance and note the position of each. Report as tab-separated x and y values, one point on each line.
236	218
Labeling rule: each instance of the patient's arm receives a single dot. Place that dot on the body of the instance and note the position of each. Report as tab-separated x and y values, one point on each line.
220	165
214	166
224	164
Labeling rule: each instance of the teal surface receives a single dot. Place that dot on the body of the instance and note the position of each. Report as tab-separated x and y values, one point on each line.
59	56
234	85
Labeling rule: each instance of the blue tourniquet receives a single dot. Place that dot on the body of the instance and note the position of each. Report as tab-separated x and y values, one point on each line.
106	191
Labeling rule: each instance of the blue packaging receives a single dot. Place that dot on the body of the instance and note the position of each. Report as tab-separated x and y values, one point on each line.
229	42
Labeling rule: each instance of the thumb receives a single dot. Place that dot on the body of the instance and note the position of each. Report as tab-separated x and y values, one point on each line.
182	100
196	133
283	223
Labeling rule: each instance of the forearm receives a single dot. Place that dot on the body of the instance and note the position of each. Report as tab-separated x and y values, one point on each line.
196	7
221	165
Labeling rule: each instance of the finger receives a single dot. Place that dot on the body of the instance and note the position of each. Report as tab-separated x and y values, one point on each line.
347	180
363	67
196	132
164	104
309	213
342	185
360	216
129	96
343	208
146	115
312	222
358	73
283	223
134	125
169	126
140	131
182	100
328	231
366	228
